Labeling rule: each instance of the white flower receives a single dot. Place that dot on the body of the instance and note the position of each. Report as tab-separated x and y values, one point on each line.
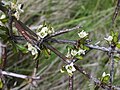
40	26
2	16
81	51
109	38
68	55
17	15
45	29
17	8
13	5
70	68
82	34
32	49
73	52
104	74
42	34
51	30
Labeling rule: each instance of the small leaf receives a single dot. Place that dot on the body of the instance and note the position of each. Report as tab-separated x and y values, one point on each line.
112	33
22	48
86	48
1	84
79	57
115	39
118	45
4	20
106	79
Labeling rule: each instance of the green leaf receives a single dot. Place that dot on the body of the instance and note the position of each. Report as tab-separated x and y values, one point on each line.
79	57
4	20
116	34
22	48
115	39
15	1
118	45
106	79
112	33
1	84
116	58
86	48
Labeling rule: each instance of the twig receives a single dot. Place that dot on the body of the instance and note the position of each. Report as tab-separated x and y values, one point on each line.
74	42
71	82
4	57
63	31
112	66
116	11
81	70
19	75
56	52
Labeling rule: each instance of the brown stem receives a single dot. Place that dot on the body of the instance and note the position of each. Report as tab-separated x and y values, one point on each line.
71	82
4	57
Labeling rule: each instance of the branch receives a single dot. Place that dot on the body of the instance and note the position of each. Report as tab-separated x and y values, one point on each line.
116	11
74	42
81	70
112	65
63	31
71	82
18	75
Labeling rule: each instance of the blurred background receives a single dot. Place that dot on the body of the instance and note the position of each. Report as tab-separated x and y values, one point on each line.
94	15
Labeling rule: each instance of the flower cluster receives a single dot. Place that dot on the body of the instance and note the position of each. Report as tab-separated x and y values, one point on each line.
43	31
74	52
70	69
82	34
32	49
109	39
17	8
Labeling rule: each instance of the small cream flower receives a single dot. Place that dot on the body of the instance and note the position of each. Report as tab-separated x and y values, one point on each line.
40	26
51	30
68	55
32	49
73	52
44	31
109	38
104	74
2	16
82	34
17	15
70	68
81	51
42	34
17	8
